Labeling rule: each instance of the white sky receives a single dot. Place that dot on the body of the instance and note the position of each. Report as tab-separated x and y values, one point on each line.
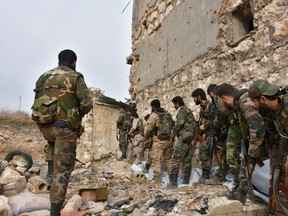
33	32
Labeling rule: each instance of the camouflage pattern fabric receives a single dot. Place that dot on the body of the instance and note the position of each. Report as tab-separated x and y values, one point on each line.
207	113
182	154
124	123
233	146
62	149
185	120
72	93
161	149
252	127
69	87
280	116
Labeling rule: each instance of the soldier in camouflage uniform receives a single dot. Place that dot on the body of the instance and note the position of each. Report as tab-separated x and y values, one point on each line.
250	126
272	103
124	123
184	130
162	148
69	87
207	116
220	130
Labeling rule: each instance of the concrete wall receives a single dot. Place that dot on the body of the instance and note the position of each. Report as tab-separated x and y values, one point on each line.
100	132
180	45
185	33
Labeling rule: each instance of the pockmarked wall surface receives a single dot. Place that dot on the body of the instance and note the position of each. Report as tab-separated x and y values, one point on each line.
99	138
181	45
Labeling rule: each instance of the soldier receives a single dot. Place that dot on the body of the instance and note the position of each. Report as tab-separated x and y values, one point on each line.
184	130
220	130
159	125
252	128
124	124
270	99
67	92
136	133
207	116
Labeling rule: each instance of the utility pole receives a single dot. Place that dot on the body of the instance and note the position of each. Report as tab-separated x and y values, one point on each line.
19	102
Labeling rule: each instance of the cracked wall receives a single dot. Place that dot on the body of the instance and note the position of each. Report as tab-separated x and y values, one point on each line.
180	45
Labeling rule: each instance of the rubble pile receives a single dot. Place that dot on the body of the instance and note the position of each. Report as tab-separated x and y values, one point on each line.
125	193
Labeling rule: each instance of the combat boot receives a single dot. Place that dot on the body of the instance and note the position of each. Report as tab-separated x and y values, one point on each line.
146	168
173	181
205	176
56	209
186	178
49	175
239	194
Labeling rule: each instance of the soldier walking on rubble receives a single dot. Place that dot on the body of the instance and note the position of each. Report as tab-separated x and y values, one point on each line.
251	136
61	100
184	130
159	125
207	116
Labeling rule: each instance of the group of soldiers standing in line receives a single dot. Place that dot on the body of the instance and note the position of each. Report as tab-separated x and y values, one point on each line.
238	127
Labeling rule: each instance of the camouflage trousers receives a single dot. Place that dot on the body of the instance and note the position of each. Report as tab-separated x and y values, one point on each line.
205	153
223	165
182	154
162	150
123	142
134	151
61	149
233	145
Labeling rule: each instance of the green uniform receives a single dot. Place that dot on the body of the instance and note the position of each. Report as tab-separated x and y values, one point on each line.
185	124
207	116
124	123
69	87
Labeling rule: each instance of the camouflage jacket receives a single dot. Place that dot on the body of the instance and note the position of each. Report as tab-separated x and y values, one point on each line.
221	123
184	120
281	116
251	124
124	121
69	87
207	116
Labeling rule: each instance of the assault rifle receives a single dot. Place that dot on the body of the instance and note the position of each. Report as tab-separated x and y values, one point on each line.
196	135
245	145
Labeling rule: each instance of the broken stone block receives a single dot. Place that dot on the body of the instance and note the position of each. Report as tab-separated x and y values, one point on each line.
29	202
10	173
5	208
38	185
73	204
12	187
36	213
222	206
34	171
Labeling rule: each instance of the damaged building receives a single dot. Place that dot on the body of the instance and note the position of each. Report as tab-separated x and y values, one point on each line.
181	45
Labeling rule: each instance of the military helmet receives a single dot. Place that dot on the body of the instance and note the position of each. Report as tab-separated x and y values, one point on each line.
262	87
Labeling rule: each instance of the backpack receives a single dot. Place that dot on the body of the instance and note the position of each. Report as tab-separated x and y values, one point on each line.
165	126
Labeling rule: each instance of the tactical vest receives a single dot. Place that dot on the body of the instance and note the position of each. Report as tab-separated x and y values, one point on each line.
166	123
